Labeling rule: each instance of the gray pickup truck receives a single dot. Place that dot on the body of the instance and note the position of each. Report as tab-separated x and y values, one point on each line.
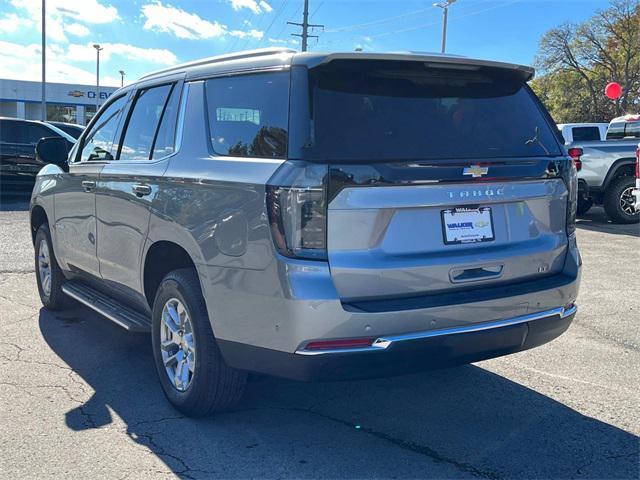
607	173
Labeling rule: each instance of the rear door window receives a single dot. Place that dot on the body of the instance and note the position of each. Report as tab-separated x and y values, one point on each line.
249	114
369	110
615	131
586	134
143	123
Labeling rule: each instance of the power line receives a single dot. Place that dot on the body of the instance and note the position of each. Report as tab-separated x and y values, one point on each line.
377	22
418	27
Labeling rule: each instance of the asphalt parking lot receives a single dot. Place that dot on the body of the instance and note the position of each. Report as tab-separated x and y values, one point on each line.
79	396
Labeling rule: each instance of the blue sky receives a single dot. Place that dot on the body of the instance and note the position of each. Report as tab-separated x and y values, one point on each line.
143	35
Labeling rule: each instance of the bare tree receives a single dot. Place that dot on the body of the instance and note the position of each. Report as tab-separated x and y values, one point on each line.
606	48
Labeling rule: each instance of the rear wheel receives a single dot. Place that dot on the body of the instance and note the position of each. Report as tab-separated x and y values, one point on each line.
619	202
192	372
48	274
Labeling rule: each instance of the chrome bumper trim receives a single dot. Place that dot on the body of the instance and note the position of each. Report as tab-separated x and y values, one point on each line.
382	343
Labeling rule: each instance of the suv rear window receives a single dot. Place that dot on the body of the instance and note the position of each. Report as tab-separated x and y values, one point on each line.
586	134
384	110
249	114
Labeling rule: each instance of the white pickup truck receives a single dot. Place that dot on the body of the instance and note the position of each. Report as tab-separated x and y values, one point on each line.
607	173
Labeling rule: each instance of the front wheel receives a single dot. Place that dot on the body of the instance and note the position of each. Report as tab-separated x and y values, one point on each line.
619	202
192	372
48	274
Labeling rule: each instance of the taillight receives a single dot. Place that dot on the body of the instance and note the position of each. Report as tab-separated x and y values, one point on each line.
575	154
638	161
572	201
297	208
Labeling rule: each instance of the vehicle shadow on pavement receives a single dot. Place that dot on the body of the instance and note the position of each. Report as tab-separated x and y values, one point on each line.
596	220
462	422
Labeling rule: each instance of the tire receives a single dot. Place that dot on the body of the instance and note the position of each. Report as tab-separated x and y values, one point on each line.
50	289
209	385
584	205
614	198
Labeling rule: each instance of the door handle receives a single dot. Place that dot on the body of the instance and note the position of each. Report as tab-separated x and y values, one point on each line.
141	190
88	185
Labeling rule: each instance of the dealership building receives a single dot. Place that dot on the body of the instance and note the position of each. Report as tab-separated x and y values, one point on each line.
66	102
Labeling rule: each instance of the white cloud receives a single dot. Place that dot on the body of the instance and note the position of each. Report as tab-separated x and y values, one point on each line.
12	23
77	29
23	61
257	7
86	53
253	33
61	12
167	18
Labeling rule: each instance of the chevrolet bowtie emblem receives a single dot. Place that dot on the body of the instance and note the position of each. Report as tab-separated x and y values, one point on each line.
475	171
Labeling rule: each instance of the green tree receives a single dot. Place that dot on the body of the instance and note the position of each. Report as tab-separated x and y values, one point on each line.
576	62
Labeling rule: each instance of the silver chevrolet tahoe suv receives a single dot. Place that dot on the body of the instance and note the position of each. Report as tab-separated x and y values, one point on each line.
314	216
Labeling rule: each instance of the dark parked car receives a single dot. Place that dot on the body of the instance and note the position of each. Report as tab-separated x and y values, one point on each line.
71	128
18	139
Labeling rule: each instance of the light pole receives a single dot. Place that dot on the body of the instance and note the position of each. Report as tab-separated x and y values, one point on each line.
44	65
98	49
122	78
445	14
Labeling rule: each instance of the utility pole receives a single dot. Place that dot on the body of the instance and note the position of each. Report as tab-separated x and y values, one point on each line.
121	78
445	15
305	27
98	49
44	63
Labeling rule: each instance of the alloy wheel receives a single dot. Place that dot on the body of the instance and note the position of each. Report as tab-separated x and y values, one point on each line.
44	267
627	201
177	344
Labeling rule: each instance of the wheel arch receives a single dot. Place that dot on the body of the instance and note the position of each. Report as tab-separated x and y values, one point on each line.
162	257
621	167
38	217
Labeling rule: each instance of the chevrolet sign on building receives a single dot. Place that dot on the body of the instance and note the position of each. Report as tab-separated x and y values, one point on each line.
65	102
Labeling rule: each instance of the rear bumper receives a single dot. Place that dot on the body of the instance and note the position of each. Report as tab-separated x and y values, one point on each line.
418	351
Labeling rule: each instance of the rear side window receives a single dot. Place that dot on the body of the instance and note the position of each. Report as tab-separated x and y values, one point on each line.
12	131
586	134
618	131
143	123
98	143
249	114
615	131
390	110
35	132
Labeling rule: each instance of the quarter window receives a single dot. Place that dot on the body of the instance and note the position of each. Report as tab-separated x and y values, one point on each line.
144	120
166	137
98	143
249	114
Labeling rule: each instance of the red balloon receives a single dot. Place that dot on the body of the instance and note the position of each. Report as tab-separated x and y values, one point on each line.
613	90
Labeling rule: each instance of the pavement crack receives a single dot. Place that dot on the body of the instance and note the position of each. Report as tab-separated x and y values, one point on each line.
403	444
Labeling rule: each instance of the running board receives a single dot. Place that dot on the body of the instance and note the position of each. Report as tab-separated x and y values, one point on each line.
115	311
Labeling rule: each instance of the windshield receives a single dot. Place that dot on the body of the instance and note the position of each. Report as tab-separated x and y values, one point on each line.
383	110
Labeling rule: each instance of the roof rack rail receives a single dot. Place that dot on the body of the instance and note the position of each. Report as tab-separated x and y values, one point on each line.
222	58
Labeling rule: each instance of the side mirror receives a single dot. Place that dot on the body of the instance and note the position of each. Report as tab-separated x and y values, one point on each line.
53	150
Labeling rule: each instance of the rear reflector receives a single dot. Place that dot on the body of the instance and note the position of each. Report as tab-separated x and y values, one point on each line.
339	343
